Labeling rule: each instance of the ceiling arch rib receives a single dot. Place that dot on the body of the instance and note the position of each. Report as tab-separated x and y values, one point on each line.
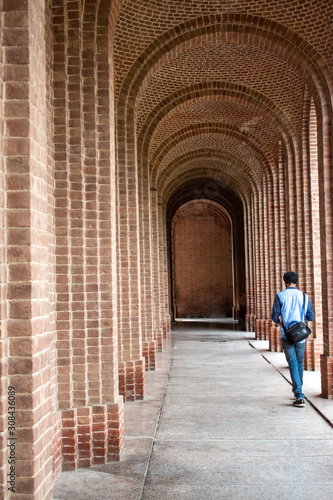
251	100
215	174
211	207
229	29
239	65
234	28
209	161
198	188
248	143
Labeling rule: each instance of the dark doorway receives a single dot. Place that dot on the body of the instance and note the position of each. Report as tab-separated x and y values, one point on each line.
202	261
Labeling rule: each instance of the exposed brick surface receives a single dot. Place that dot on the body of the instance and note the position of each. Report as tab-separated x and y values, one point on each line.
135	137
132	380
202	256
149	353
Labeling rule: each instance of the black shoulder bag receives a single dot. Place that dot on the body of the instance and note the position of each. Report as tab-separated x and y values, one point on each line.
297	332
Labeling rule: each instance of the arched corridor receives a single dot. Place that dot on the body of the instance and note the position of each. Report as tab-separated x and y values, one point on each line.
202	261
139	139
217	424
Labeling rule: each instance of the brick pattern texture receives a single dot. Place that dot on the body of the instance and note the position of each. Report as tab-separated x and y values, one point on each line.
202	261
131	133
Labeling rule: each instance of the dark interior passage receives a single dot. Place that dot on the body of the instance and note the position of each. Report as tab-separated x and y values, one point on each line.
202	261
206	251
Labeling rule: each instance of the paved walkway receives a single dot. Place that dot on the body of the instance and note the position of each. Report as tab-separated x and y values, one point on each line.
217	423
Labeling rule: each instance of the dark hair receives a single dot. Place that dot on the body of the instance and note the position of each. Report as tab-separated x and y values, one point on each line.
290	277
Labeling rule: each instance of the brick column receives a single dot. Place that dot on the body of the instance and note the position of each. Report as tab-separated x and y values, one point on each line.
132	364
250	316
149	344
274	339
165	319
158	332
29	322
274	269
312	231
284	253
326	211
257	225
91	410
3	294
268	259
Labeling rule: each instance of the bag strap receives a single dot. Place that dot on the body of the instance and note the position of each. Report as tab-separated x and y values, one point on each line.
281	310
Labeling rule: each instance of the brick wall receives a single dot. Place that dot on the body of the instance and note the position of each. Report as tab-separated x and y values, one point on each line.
202	256
29	245
3	289
91	410
107	110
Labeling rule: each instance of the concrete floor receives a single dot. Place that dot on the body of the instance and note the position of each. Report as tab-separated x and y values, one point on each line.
217	423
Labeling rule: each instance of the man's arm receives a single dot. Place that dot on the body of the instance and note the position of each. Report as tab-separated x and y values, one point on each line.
309	316
276	311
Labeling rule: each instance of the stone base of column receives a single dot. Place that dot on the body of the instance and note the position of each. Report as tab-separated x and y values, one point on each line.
250	322
69	440
159	339
274	339
92	435
267	327
326	365
313	351
99	435
166	326
149	353
116	436
56	444
84	425
262	329
132	379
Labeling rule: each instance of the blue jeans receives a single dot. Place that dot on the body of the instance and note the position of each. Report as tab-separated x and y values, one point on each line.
294	355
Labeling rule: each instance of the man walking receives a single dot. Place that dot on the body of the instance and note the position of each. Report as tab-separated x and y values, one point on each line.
288	305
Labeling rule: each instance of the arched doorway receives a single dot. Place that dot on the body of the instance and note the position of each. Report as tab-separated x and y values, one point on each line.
202	262
205	222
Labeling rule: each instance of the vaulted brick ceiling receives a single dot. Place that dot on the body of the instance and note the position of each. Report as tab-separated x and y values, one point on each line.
216	85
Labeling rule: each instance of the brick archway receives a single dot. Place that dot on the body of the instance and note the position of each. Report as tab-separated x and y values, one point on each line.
113	115
188	203
202	261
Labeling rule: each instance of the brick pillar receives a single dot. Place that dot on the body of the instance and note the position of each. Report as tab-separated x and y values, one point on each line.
268	254
99	434
149	346
132	364
284	254
250	297
3	297
115	423
326	366
92	435
29	323
107	273
324	141
164	273
84	436
274	339
69	440
56	443
149	353
88	395
132	380
255	209
155	263
262	329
